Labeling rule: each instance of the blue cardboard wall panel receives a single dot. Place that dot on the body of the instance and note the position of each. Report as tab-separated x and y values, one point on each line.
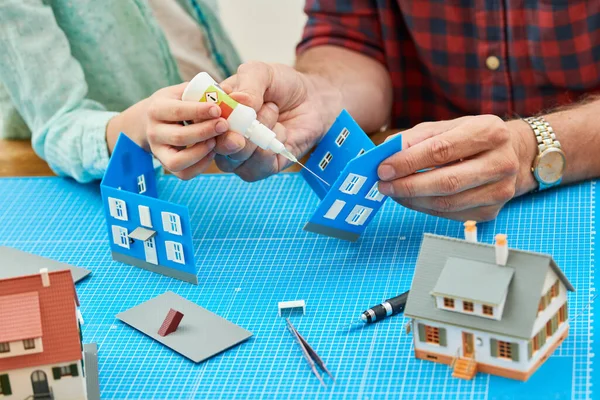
346	153
354	143
365	165
156	206
130	184
126	164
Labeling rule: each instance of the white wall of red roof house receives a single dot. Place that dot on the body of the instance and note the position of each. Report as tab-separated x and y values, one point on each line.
65	388
17	348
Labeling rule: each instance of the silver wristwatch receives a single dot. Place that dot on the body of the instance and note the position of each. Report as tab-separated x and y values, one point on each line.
549	165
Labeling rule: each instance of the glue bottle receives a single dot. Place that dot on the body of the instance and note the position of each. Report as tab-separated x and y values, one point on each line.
241	118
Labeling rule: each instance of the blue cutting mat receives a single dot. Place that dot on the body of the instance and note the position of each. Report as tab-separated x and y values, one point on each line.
252	253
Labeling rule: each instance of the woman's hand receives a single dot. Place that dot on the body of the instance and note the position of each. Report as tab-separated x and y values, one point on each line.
186	151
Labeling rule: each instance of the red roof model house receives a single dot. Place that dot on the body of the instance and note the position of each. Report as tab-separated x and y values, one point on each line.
40	343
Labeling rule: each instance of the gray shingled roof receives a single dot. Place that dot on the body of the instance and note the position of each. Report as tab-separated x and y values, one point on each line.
524	291
473	280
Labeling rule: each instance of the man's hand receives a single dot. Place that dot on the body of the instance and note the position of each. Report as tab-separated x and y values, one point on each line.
483	163
287	102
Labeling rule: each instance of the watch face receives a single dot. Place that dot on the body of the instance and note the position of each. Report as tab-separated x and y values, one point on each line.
551	166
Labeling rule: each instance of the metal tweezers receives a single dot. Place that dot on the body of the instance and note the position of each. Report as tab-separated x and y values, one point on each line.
309	354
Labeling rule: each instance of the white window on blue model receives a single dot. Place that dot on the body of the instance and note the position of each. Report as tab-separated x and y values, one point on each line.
358	215
175	252
352	183
342	137
171	223
335	209
325	161
145	219
120	236
118	208
141	184
374	193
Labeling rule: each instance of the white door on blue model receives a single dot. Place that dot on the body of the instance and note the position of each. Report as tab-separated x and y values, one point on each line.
150	250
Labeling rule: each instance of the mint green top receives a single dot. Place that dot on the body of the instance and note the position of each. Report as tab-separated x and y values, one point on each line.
68	66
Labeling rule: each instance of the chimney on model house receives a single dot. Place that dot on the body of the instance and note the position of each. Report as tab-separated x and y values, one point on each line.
45	277
471	231
501	249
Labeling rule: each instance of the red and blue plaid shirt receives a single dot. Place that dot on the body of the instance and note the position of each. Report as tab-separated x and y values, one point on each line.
449	58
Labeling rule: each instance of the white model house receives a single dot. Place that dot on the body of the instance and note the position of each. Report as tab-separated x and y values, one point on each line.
40	343
481	307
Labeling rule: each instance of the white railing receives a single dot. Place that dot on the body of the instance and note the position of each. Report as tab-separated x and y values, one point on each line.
455	358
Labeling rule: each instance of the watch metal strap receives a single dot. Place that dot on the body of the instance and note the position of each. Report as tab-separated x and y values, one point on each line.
543	133
546	138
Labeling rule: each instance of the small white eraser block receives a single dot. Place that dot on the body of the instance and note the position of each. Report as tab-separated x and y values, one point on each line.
286	305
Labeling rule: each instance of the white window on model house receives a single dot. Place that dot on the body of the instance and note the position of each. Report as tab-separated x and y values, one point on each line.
145	219
374	193
141	183
342	137
4	347
120	236
325	161
175	252
359	215
335	209
118	208
352	184
171	223
67	370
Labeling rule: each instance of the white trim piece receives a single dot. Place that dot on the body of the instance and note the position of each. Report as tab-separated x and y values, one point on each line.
335	209
325	161
141	183
352	183
145	219
362	212
374	193
171	223
118	209
120	236
288	305
361	152
175	252
342	137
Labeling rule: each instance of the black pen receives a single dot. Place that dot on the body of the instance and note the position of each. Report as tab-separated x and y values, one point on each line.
389	307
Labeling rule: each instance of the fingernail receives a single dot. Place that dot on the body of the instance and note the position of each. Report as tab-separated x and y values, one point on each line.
214	112
233	145
211	144
386	172
273	106
386	188
212	155
221	127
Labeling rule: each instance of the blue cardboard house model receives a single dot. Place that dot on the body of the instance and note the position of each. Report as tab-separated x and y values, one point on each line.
143	230
347	159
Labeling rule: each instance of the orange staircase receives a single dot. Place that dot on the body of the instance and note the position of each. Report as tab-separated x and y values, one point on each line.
464	368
